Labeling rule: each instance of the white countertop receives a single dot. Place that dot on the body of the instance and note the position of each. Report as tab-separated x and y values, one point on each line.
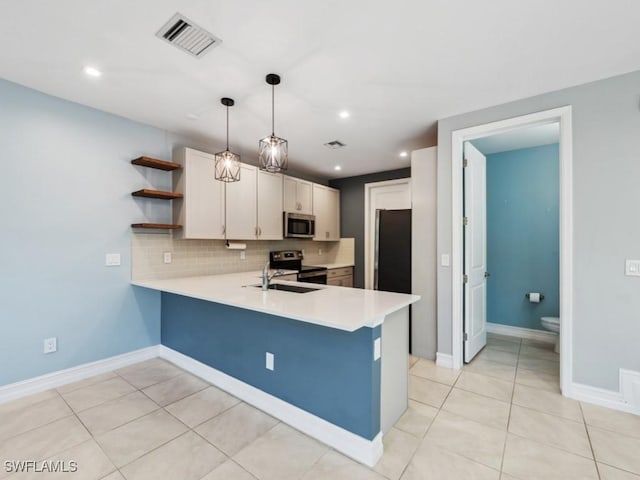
335	307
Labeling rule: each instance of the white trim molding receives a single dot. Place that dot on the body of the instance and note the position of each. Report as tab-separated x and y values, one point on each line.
601	397
561	115
444	360
520	332
365	451
74	374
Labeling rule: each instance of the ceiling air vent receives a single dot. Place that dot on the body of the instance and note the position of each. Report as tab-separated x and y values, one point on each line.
187	36
334	144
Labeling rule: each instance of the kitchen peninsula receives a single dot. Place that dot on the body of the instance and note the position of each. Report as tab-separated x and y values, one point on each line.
339	355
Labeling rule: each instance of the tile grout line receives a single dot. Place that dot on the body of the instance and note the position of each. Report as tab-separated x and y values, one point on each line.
593	452
513	392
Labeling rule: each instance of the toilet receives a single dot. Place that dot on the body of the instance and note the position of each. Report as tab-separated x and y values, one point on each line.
553	325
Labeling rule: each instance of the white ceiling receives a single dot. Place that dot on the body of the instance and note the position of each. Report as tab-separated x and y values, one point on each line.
519	138
398	66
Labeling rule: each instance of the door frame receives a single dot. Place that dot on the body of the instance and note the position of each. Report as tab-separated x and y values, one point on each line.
561	115
369	224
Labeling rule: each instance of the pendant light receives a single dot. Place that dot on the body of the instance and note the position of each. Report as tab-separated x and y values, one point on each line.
227	163
273	151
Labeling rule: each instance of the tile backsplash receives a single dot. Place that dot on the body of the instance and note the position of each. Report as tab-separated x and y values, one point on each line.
211	257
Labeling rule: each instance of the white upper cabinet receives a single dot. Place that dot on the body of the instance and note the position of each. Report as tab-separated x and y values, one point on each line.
326	208
298	195
201	211
242	203
250	209
269	206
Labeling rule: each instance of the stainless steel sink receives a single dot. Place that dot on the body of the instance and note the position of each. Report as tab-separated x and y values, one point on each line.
289	288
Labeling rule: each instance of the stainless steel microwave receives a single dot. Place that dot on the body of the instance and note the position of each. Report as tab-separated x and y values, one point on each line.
297	225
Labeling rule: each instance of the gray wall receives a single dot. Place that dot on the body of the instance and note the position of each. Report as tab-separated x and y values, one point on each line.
352	211
606	169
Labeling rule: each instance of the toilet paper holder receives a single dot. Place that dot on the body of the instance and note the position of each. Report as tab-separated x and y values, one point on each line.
526	295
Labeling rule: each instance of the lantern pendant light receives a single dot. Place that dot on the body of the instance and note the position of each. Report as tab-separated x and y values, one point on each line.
227	163
273	151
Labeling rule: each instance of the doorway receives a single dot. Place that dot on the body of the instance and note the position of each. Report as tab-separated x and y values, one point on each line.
387	195
561	116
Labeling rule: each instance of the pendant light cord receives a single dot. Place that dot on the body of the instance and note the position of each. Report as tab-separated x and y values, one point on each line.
273	108
227	127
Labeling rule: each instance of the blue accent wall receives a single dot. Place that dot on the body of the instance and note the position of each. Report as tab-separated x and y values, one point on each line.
522	235
327	372
66	202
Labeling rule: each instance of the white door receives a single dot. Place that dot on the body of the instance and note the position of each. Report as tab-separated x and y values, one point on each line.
475	252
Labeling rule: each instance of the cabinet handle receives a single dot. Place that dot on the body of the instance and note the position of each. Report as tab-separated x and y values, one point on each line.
224	229
255	229
259	231
326	234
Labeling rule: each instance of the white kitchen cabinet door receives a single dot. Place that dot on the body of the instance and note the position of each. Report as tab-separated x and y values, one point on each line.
297	196
326	208
201	211
241	205
269	199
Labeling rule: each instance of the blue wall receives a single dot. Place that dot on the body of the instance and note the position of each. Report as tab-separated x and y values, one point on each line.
522	235
66	202
327	372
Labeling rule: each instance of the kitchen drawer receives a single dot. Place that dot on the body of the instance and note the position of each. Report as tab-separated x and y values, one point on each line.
344	281
292	277
339	272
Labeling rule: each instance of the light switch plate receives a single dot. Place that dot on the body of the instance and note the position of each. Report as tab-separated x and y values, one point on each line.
632	268
377	349
444	260
167	257
112	259
243	255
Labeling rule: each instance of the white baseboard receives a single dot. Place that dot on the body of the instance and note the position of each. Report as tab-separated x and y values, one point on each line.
444	360
528	333
600	396
74	374
352	445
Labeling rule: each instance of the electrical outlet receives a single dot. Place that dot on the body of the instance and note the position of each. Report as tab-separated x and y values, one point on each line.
243	255
269	360
112	259
50	345
319	251
167	257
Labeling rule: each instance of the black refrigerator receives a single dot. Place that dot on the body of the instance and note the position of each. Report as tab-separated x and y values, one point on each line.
392	265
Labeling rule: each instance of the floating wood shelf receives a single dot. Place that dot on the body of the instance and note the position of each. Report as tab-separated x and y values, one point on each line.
155	163
156	194
158	226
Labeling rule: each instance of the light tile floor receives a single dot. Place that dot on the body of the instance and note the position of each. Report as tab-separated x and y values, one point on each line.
501	417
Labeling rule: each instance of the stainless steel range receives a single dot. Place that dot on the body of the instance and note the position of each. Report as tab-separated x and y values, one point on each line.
292	260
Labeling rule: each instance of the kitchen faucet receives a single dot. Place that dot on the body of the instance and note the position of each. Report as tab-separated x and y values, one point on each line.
266	278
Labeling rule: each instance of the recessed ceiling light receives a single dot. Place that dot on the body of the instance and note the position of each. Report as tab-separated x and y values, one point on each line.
92	72
344	114
337	168
403	154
